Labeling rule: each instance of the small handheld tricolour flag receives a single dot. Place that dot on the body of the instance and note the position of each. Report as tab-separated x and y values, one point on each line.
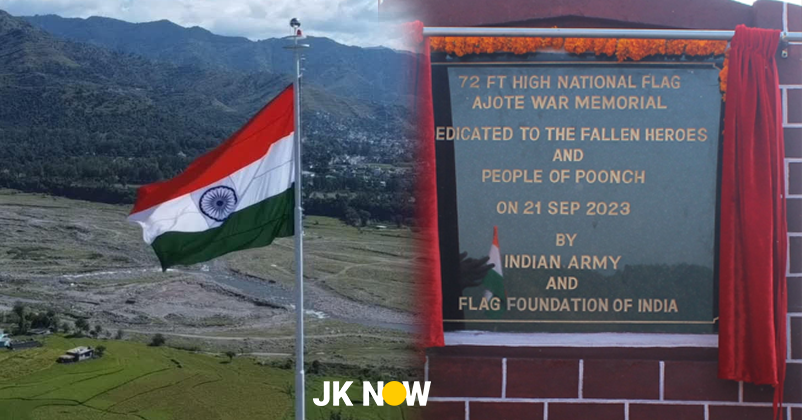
237	196
493	283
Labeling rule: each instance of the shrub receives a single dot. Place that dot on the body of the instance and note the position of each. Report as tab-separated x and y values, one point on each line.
158	340
82	325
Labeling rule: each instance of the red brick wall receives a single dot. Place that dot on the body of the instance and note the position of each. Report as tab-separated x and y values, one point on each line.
790	69
473	383
479	383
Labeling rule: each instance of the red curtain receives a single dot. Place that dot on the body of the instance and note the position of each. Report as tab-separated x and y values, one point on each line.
752	288
429	291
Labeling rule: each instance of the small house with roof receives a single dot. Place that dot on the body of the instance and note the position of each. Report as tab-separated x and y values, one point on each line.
77	354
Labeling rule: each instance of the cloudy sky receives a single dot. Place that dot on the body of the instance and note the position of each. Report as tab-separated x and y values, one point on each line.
353	22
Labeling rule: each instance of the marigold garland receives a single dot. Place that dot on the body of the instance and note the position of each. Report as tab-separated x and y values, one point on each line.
623	49
722	75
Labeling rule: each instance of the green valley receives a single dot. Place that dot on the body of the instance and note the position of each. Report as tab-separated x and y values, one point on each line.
135	382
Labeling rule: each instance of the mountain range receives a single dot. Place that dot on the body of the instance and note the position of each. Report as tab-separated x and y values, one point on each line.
375	74
92	107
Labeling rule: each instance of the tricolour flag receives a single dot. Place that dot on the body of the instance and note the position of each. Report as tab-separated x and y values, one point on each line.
493	283
237	196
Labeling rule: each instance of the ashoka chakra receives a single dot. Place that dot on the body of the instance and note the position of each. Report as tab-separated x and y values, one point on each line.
217	203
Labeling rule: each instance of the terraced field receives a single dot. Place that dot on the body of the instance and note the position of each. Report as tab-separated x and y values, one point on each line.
136	382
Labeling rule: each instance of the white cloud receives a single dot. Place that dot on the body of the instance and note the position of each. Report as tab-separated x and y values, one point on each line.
353	22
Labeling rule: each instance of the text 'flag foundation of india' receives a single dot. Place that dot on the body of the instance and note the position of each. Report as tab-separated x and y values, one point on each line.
493	283
237	196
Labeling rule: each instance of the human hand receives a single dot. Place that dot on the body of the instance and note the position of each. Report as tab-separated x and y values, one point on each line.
472	270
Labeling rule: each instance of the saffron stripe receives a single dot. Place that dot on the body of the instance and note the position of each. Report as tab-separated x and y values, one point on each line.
274	122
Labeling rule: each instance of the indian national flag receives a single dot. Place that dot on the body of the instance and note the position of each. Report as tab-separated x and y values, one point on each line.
493	283
237	196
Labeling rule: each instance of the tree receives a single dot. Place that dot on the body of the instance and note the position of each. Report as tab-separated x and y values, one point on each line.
47	319
352	216
82	325
22	323
364	217
100	351
52	321
120	334
65	327
231	355
158	340
315	368
97	330
19	310
22	327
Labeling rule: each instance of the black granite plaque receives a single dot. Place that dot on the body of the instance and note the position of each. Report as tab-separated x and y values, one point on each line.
601	179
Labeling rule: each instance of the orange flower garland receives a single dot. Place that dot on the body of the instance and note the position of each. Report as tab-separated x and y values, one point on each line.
722	75
623	49
461	46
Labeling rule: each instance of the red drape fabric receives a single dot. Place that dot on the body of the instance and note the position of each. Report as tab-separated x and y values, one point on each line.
752	260
430	293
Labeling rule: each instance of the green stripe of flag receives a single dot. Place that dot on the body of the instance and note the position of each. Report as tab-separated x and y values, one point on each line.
252	227
494	283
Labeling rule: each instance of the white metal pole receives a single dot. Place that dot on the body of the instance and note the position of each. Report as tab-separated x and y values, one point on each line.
300	394
300	397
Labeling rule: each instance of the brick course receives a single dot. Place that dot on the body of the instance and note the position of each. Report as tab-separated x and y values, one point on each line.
465	377
790	69
497	411
535	378
666	412
444	410
697	381
740	413
795	249
793	141
628	379
576	411
794	103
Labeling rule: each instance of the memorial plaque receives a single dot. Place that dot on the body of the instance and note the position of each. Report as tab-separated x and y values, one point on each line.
601	179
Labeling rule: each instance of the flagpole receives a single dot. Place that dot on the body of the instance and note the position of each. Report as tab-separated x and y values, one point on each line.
300	394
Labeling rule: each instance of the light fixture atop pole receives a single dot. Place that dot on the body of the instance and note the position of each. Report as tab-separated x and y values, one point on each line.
300	394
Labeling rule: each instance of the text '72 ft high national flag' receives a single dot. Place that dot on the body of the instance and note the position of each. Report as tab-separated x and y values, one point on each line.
237	196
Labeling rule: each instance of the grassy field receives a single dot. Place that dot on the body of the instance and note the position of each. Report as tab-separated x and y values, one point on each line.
136	382
368	265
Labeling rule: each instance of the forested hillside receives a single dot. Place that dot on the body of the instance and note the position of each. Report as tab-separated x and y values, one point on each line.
375	74
87	122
